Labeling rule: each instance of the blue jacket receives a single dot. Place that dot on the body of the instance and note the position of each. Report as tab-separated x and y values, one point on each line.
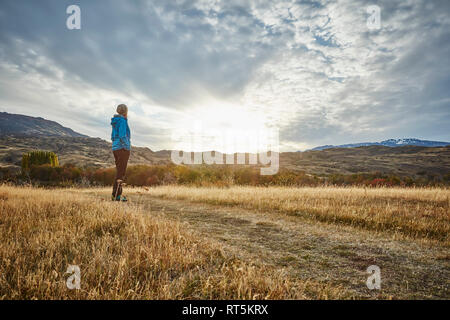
120	135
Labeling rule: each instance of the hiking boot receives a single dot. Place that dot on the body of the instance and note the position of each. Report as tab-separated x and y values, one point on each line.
119	198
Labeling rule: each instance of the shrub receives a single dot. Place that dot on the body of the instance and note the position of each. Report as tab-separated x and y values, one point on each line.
212	175
37	158
7	174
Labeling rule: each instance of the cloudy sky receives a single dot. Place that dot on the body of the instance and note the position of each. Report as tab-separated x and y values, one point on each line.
312	69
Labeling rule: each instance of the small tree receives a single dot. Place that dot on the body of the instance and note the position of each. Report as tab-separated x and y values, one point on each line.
37	158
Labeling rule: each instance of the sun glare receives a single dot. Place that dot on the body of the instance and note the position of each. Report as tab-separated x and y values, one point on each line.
223	127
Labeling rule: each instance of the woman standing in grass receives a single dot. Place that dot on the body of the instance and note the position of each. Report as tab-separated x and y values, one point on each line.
121	146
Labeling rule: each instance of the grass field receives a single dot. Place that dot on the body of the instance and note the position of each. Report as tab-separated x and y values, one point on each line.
419	213
224	243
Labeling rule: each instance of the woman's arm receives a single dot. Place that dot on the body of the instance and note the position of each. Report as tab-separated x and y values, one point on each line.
123	133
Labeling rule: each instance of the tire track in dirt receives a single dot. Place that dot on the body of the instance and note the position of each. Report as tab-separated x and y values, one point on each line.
321	252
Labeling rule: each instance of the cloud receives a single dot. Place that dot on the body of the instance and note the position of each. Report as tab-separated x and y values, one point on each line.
312	67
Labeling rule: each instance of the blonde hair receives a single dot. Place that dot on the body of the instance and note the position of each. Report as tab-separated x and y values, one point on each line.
122	109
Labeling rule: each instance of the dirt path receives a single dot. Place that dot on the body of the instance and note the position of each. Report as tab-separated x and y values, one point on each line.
320	252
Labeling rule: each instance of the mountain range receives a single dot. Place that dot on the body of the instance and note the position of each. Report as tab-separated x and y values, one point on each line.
404	157
389	143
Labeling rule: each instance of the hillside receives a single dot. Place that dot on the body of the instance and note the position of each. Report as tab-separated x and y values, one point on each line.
79	151
402	161
20	134
13	124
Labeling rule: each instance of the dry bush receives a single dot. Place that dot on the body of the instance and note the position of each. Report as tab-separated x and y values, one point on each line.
122	254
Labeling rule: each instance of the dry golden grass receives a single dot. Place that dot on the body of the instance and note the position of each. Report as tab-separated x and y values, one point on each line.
414	212
122	254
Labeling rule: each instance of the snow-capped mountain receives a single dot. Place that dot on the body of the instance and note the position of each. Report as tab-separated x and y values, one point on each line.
389	143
